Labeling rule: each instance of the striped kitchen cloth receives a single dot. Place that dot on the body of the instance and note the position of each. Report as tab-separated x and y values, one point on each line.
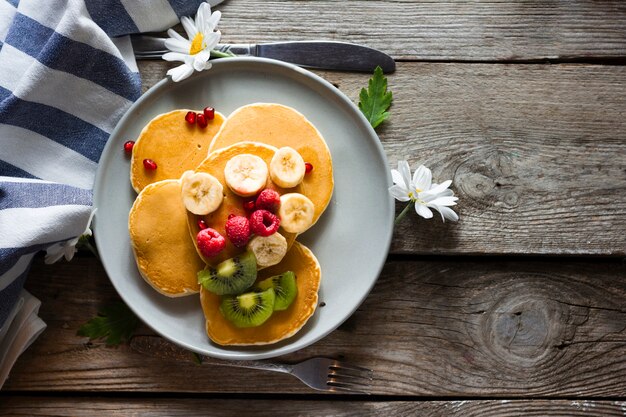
67	75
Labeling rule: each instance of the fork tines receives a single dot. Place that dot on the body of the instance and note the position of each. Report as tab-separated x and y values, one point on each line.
349	378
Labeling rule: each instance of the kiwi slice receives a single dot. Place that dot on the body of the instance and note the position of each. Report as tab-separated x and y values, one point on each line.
232	276
249	309
285	288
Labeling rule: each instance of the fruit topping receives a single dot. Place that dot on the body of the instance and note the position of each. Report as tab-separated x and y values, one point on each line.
250	309
268	250
209	113
210	242
268	200
285	288
249	206
287	167
264	223
128	146
201	120
238	230
149	164
308	167
296	212
202	193
232	276
245	174
202	224
190	117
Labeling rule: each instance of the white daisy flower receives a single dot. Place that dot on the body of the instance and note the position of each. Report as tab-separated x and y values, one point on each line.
67	249
421	191
194	52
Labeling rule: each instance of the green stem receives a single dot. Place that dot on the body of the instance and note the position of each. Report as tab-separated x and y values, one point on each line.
404	212
219	54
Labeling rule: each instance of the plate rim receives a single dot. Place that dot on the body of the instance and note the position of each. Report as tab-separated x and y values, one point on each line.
373	136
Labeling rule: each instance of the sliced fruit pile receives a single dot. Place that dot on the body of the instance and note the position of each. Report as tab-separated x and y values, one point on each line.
266	179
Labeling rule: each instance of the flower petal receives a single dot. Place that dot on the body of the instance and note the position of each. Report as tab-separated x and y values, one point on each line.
173	34
398	193
397	177
175	56
177	45
189	27
405	171
180	72
439	188
447	213
422	178
423	211
211	39
214	20
201	17
443	201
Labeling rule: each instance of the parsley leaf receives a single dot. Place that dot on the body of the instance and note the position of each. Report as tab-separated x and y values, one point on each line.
376	100
115	321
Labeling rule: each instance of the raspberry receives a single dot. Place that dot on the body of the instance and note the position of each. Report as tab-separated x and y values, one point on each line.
268	200
210	242
264	223
238	230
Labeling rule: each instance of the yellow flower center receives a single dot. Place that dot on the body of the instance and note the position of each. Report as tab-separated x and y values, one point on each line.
197	44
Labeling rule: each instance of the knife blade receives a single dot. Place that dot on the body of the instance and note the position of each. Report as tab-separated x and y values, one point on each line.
332	55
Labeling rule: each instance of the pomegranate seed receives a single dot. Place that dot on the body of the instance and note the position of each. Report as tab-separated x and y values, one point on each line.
209	113
231	215
202	224
201	120
128	146
308	167
190	117
149	164
249	206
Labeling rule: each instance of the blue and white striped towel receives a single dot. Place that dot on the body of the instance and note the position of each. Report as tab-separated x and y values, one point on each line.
67	75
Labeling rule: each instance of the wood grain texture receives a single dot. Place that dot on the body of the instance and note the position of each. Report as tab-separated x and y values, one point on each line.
168	407
434	30
537	154
438	328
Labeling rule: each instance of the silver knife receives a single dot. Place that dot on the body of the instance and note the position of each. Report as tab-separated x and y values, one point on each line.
312	54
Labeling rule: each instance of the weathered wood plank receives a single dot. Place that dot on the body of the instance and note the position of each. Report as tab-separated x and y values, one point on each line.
434	30
440	328
537	154
46	406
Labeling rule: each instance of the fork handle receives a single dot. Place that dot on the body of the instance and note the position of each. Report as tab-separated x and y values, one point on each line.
263	365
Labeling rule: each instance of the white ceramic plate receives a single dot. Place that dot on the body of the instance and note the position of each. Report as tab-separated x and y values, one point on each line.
351	239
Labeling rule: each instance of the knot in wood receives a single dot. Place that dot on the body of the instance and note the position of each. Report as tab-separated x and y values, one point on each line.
521	329
489	178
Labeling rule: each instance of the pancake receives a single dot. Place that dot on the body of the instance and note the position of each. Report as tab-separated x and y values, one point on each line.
175	145
282	324
165	256
232	204
278	125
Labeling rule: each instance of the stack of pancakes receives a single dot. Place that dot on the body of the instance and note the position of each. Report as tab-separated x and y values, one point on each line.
163	232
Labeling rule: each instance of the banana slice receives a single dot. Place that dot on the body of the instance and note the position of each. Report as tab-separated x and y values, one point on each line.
287	167
296	212
269	250
246	174
202	193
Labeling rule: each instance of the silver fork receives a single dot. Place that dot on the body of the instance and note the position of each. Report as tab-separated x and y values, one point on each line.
323	374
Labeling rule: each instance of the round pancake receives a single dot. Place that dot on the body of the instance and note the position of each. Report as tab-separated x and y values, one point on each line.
175	145
279	125
232	204
282	324
165	256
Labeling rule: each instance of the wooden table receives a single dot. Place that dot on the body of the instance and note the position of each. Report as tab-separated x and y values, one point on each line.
519	308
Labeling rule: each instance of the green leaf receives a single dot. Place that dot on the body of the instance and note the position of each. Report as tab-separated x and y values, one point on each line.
376	100
115	321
